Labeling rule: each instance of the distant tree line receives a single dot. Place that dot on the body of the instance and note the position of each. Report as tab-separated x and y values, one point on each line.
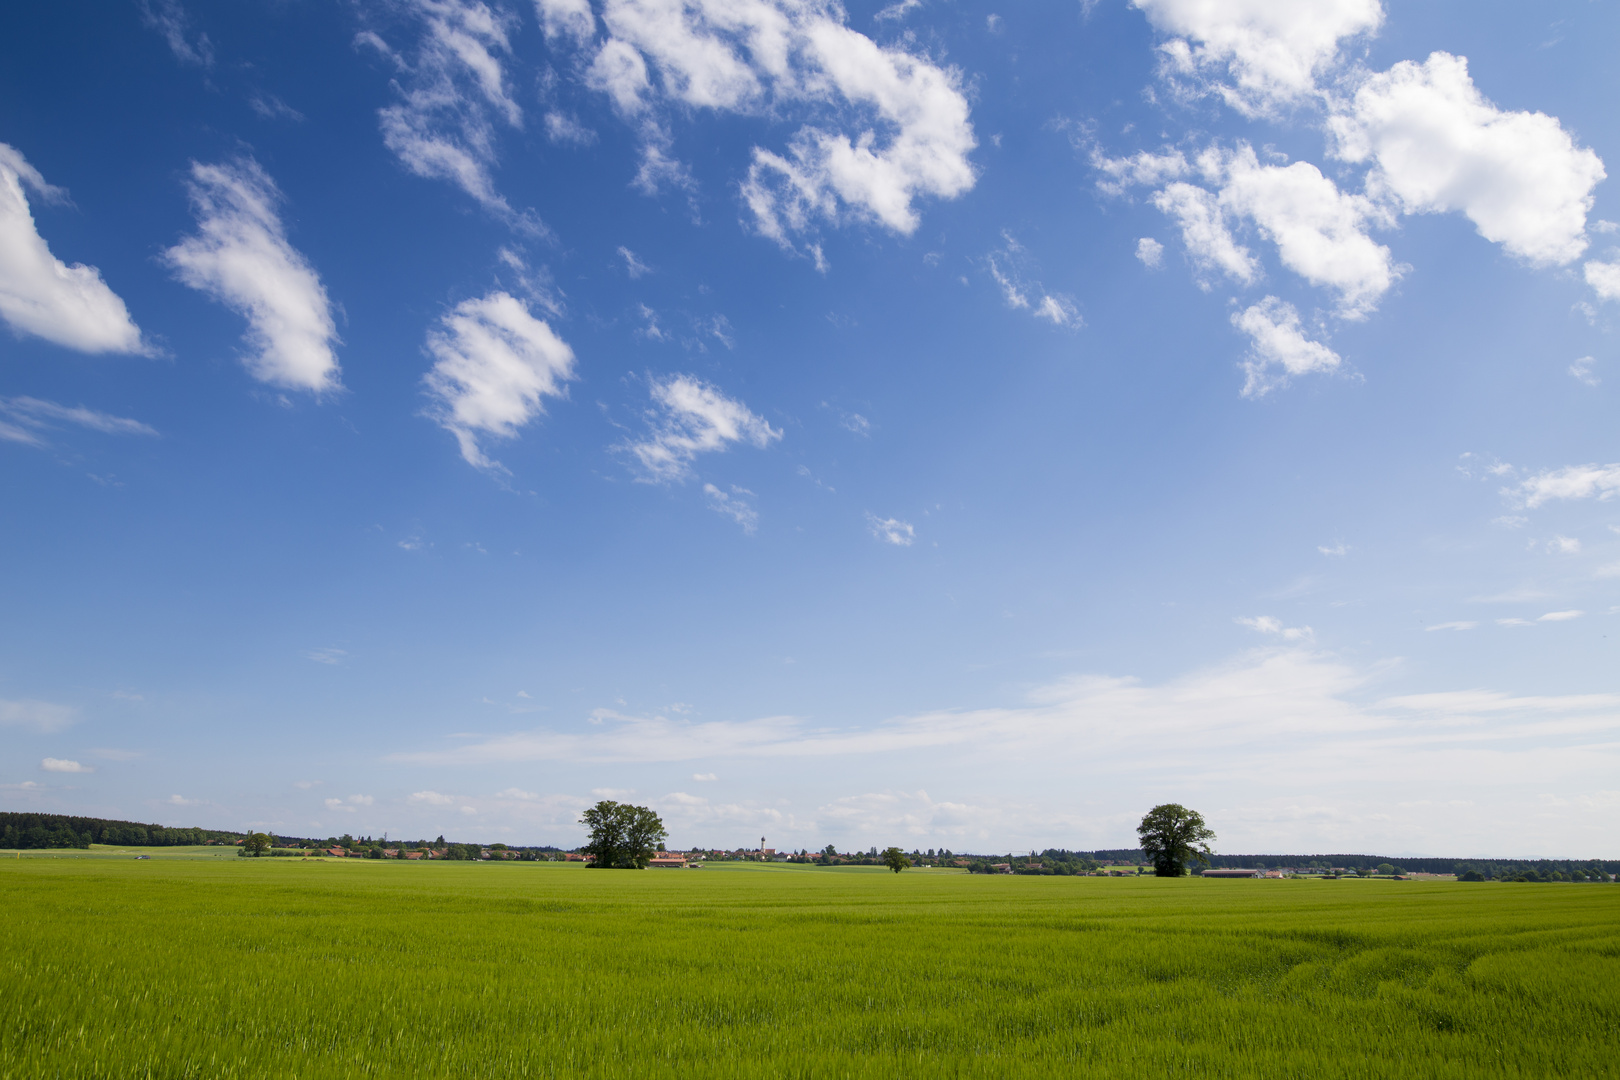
1490	869
29	831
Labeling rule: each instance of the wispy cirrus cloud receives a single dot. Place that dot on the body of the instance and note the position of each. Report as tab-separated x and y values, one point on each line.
43	296
24	419
241	258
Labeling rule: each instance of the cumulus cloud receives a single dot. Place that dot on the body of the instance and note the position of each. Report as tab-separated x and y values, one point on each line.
181	800
1560	616
52	764
23	419
1204	231
40	294
241	257
41	716
888	126
1258	55
431	798
1320	232
691	417
1438	145
494	362
1604	278
734	505
891	530
1150	252
1584	370
453	95
1460	624
1277	341
1570	482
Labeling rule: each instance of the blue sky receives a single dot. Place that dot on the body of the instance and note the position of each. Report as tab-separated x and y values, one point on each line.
917	423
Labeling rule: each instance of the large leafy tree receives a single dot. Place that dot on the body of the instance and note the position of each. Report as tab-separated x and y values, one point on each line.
895	859
623	837
1173	836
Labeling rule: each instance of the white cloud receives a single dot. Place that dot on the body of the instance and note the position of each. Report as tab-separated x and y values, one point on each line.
889	126
1151	252
1335	551
23	418
337	804
734	505
632	265
1276	340
326	656
566	18
52	764
494	364
1271	51
1584	371
519	794
181	800
41	716
1204	232
567	130
168	18
1461	624
691	417
1438	145
1564	545
40	294
891	530
1268	624
704	776
1560	616
1604	277
454	94
469	810
1320	232
431	798
241	258
1143	168
1570	482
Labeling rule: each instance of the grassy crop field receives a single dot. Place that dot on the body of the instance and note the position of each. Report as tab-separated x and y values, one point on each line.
282	967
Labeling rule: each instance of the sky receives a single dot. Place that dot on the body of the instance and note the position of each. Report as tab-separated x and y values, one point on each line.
915	423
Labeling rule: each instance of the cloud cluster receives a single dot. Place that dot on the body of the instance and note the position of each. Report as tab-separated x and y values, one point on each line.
40	294
1423	136
240	256
691	417
891	530
453	94
494	362
64	765
1257	55
890	127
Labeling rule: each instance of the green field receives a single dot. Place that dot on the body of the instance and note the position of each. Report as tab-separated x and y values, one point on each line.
260	967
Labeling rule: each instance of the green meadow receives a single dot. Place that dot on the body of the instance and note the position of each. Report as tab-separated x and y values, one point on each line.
211	967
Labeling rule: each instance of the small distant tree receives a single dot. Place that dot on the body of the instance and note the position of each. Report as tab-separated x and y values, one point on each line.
1172	836
895	859
623	837
258	844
